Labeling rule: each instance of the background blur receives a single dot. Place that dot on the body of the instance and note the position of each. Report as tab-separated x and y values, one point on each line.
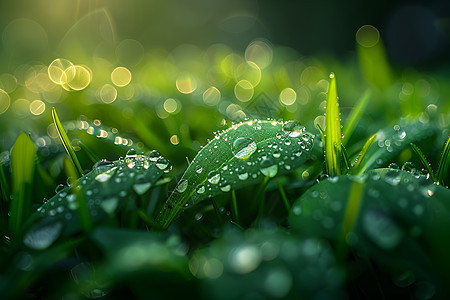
134	63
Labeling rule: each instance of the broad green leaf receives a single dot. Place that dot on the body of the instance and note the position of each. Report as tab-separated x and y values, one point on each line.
66	142
23	156
333	130
391	141
388	214
110	186
241	156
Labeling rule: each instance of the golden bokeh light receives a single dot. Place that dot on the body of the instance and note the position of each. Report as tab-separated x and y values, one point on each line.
8	82
37	107
243	90
61	71
288	96
21	107
367	36
5	101
320	120
81	79
186	84
174	139
121	76
108	93
211	96
170	105
260	52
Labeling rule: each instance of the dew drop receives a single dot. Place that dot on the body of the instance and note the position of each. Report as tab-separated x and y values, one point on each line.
182	186
226	188
153	155
41	237
198	169
141	188
201	189
268	167
103	165
131	153
243	148
163	164
59	188
243	176
214	177
293	128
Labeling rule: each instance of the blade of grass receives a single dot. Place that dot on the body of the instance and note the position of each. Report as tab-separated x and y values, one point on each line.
3	186
66	142
283	196
234	206
362	154
82	210
332	130
443	163
23	156
355	116
345	159
350	217
92	156
423	160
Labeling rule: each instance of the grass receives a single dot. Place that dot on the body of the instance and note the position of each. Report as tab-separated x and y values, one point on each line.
231	204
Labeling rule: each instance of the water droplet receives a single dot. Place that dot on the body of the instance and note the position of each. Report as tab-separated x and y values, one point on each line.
243	176
182	186
42	236
131	153
399	132
59	188
297	210
382	230
243	148
163	164
409	167
130	162
268	167
394	166
198	169
153	155
293	128
110	205
332	75
225	188
276	154
198	216
105	176
201	189
141	188
214	177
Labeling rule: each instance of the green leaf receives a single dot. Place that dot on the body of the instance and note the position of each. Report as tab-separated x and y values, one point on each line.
443	162
241	156
66	142
397	218
332	130
23	156
355	116
110	188
391	141
423	160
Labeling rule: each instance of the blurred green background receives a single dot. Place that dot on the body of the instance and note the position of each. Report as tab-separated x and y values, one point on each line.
136	63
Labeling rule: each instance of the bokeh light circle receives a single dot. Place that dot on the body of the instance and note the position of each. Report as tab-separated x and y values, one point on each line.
121	76
5	101
367	36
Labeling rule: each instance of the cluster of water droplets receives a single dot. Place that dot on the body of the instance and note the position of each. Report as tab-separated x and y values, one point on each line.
247	157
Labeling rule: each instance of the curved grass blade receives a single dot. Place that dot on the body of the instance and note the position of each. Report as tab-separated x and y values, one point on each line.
23	156
243	155
391	141
423	160
355	116
66	142
443	162
363	152
333	130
